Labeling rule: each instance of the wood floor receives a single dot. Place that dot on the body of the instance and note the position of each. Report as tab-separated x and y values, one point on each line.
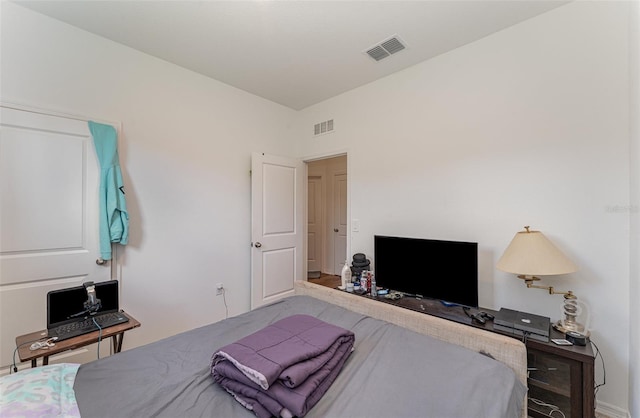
328	280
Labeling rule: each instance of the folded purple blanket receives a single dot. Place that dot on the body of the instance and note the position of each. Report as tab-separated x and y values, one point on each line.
290	350
296	358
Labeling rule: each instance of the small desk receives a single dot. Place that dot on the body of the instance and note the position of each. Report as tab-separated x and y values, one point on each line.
116	332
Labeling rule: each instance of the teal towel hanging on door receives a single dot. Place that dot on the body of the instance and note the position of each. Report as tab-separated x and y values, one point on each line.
114	219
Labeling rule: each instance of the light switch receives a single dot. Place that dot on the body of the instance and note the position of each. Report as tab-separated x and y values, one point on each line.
355	225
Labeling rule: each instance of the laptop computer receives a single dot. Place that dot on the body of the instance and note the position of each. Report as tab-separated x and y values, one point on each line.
518	323
67	316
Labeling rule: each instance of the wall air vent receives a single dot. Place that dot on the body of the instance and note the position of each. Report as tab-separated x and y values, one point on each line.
323	127
386	48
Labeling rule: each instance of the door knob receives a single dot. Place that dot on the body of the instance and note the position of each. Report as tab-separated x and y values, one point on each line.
258	245
335	229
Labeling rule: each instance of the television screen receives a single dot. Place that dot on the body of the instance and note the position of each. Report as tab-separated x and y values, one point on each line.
444	270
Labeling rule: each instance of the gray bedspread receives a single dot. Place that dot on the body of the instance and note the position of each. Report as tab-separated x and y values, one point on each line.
392	372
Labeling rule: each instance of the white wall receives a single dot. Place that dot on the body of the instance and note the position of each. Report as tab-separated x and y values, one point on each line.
528	126
634	129
185	152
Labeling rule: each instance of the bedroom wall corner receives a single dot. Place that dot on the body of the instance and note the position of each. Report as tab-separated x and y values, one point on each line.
185	150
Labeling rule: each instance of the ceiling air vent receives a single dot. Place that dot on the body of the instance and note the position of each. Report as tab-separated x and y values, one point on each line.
323	127
386	48
377	53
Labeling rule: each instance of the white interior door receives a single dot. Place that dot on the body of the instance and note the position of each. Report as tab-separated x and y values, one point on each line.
277	220
48	219
339	221
315	223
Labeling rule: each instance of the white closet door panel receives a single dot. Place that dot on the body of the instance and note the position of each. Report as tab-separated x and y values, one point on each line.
49	181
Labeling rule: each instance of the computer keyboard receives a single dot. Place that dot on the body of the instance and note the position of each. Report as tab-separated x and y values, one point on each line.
86	326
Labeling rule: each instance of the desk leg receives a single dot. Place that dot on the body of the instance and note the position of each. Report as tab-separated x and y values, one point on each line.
117	342
45	360
34	363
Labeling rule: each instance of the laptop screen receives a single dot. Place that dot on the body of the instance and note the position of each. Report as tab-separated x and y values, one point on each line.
64	305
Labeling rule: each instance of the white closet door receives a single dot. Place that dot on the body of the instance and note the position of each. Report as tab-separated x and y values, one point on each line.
340	222
315	223
49	179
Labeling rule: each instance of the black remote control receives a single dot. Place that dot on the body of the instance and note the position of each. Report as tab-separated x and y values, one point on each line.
478	318
487	316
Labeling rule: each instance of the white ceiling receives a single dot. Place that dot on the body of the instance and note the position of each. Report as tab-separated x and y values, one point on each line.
296	53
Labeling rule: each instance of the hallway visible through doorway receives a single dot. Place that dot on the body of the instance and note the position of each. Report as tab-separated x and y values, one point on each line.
326	216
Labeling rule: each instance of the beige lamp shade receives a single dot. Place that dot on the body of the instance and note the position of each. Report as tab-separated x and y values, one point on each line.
530	253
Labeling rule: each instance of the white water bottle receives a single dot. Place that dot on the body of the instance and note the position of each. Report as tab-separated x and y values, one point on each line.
345	275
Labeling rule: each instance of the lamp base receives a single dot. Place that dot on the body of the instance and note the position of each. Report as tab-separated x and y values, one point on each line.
576	327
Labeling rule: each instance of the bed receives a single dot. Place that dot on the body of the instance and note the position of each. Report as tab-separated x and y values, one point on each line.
404	364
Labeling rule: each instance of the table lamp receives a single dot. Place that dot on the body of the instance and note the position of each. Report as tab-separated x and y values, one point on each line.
529	255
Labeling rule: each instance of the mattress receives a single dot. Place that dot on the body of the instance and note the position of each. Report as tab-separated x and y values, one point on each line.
392	372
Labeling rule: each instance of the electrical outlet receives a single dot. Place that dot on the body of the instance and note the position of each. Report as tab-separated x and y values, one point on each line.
219	289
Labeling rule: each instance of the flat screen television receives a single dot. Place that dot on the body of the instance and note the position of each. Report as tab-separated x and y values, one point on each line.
444	270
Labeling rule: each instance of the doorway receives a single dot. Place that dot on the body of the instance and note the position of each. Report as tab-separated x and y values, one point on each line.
327	219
